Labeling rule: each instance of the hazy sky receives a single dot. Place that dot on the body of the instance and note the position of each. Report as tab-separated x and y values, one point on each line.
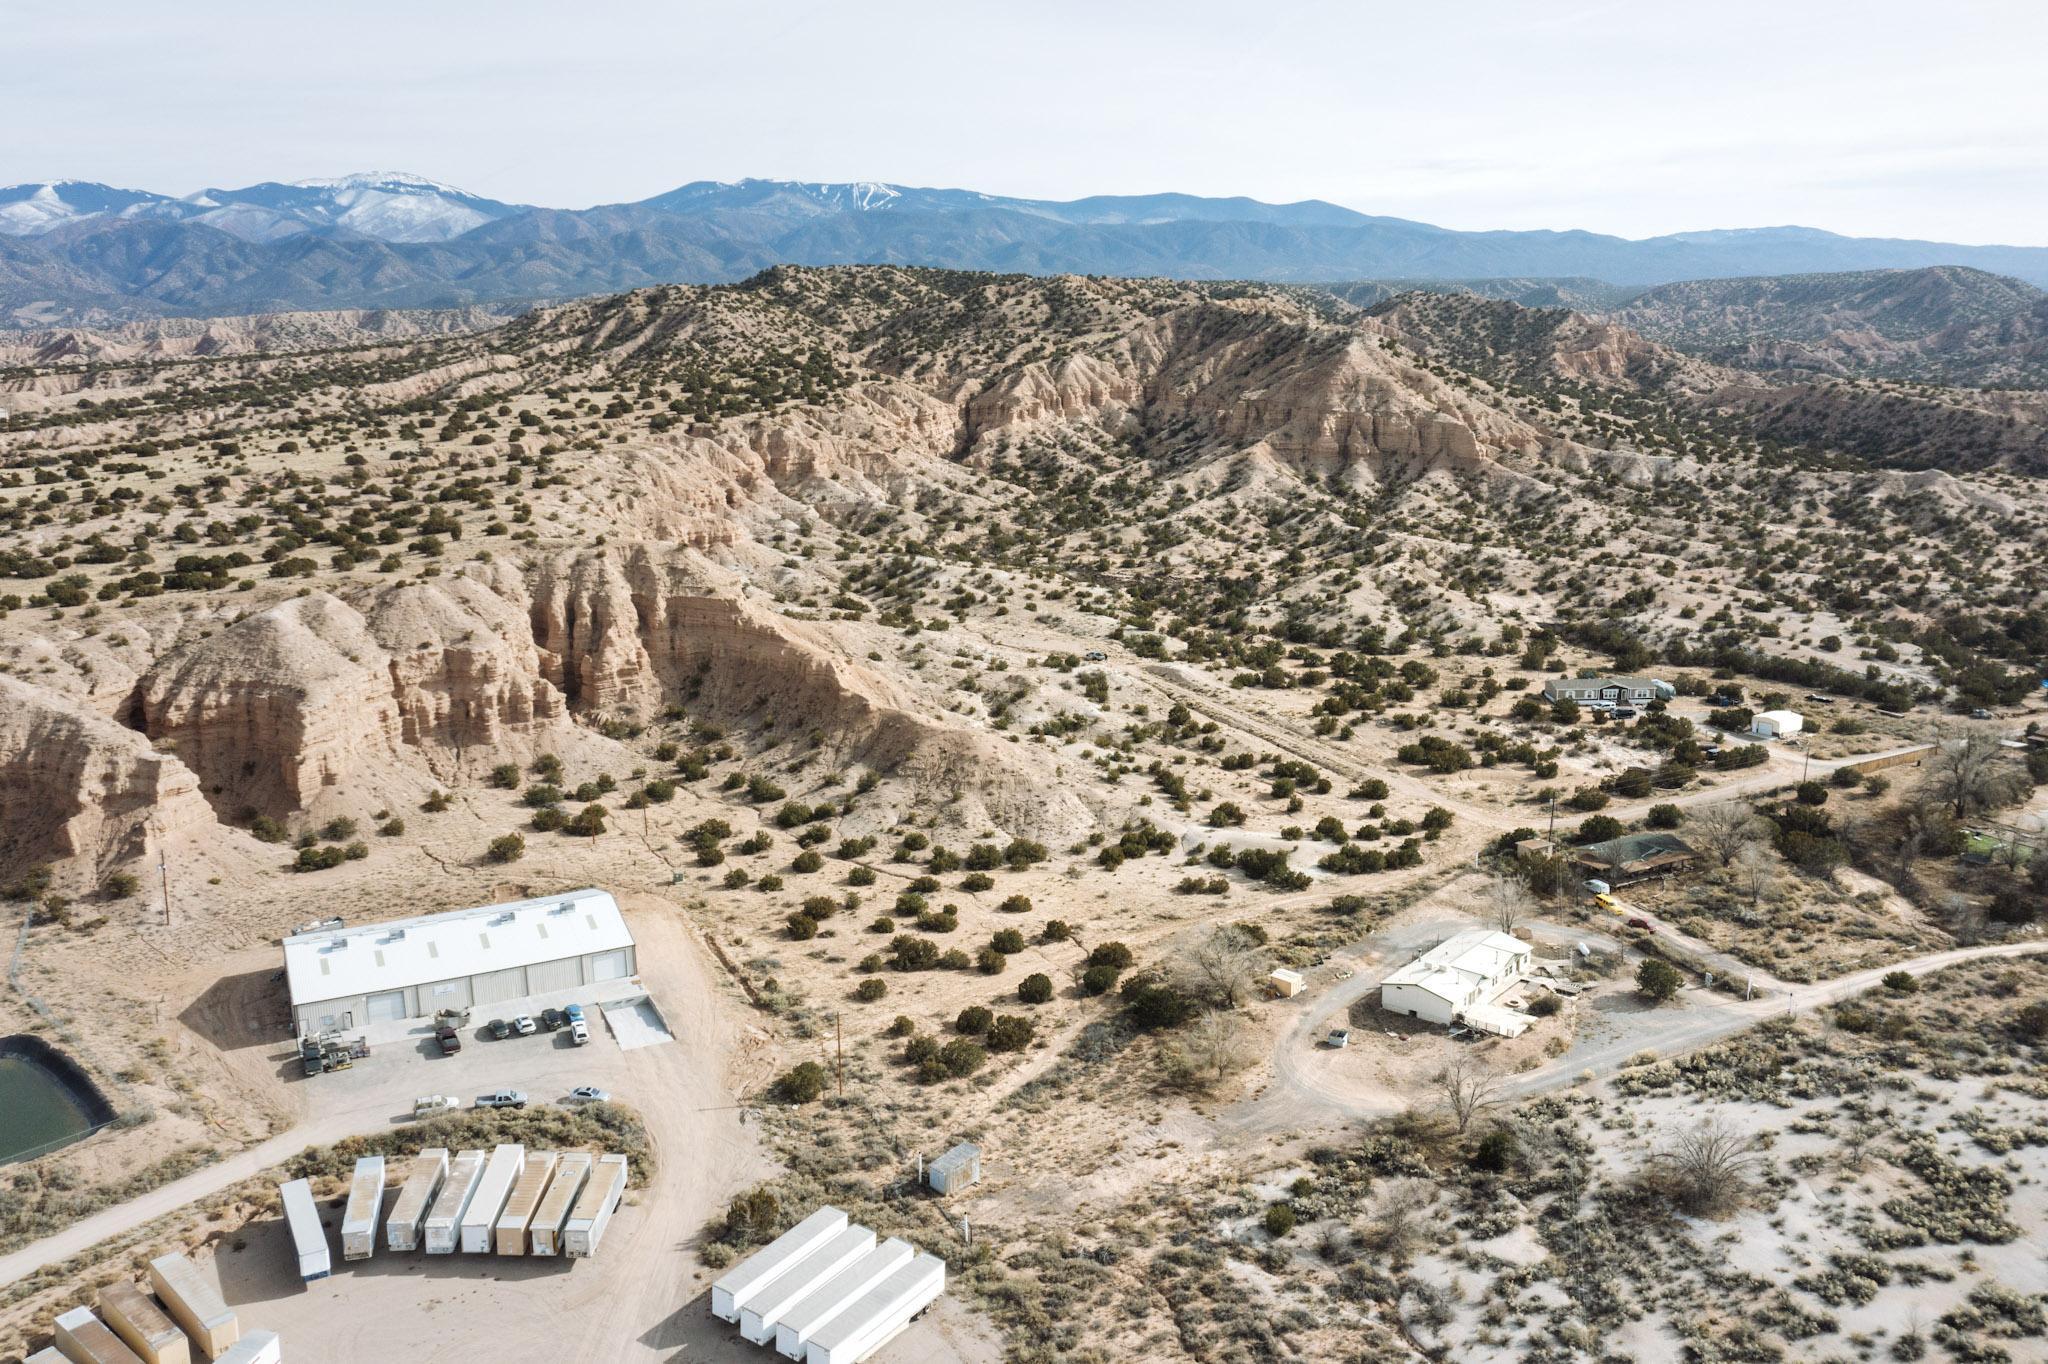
1635	117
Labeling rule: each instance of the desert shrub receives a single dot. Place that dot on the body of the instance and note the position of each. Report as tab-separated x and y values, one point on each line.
1099	980
1055	930
1279	1220
1035	988
990	962
802	1084
1657	979
974	1020
506	848
911	953
1011	1032
1008	941
1901	983
1015	904
802	927
868	991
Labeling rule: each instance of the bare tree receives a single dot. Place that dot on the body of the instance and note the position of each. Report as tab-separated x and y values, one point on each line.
1467	1088
1756	871
1396	1229
1224	968
1705	1171
1206	1051
1507	902
1724	829
1973	772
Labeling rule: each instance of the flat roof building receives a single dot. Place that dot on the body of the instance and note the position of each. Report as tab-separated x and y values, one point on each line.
1463	971
1619	690
346	978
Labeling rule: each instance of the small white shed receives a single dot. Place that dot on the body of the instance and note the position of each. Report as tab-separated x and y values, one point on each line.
1284	984
1776	724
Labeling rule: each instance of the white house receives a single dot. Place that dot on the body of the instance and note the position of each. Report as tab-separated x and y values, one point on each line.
1776	724
1465	972
412	968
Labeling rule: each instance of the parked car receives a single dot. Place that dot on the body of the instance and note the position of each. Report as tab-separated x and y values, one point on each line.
500	1029
1095	656
1624	712
590	1094
502	1098
1980	714
458	1017
428	1104
573	1013
552	1019
525	1026
1819	700
579	1032
451	1040
1604	901
1639	923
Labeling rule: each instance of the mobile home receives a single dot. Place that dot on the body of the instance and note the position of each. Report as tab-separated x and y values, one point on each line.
500	1173
544	1233
194	1302
789	1288
143	1325
309	1238
512	1223
794	1329
365	1207
258	1347
595	1206
737	1287
874	1321
422	1181
85	1339
442	1231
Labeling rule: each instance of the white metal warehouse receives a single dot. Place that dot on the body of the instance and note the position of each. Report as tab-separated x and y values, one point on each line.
412	968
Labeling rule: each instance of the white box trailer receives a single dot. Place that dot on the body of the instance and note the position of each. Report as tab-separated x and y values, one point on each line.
143	1326
422	1181
309	1238
794	1329
365	1207
510	1235
49	1354
594	1207
501	1172
194	1302
795	1283
85	1339
873	1322
544	1233
738	1285
442	1231
258	1347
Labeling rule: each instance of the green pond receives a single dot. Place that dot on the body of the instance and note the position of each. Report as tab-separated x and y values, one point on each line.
37	1109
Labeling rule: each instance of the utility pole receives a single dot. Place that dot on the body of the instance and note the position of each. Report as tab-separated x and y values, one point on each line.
163	874
1552	838
839	1063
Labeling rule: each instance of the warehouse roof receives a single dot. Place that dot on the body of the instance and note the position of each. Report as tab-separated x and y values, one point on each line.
340	962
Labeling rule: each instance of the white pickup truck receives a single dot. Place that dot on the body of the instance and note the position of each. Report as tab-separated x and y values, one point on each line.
429	1104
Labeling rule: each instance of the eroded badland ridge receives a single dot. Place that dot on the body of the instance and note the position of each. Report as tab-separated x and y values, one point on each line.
897	638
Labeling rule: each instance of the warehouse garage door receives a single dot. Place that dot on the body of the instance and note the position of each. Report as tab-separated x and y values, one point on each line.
609	965
544	976
388	1007
492	986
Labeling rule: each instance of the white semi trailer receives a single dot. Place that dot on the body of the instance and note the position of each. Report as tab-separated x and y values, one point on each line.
544	1233
365	1206
422	1181
442	1231
873	1322
501	1172
309	1238
794	1329
594	1207
794	1284
738	1285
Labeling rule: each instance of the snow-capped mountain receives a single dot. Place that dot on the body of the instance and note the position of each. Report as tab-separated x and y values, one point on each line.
386	205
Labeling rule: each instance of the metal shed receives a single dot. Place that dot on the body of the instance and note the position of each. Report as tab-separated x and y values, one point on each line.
956	1169
345	978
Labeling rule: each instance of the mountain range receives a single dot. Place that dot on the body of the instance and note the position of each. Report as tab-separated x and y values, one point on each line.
73	252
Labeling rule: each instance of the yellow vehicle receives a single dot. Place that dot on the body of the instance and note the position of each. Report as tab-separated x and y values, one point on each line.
1605	902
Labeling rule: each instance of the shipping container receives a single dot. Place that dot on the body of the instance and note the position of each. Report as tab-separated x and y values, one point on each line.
422	1181
258	1347
365	1206
442	1230
510	1236
309	1238
500	1173
544	1234
85	1339
792	1285
594	1206
194	1302
793	1331
49	1354
137	1319
738	1285
873	1322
